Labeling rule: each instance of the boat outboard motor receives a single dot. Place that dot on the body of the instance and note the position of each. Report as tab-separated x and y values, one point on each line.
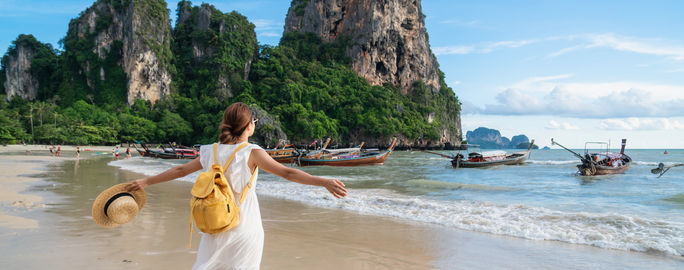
624	142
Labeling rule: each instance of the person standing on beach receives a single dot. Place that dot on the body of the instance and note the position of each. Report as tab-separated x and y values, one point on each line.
78	152
128	152
242	246
59	150
52	150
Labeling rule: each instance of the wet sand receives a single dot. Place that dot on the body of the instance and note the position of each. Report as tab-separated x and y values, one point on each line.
298	236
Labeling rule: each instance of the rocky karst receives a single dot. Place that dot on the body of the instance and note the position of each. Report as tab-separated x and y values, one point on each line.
388	41
18	79
144	32
206	38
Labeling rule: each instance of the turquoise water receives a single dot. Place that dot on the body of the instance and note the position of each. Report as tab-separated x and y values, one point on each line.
542	199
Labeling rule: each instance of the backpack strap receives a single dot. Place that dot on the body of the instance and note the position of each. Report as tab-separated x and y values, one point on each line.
215	147
249	185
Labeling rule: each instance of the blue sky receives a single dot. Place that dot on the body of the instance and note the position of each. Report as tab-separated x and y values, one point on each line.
571	70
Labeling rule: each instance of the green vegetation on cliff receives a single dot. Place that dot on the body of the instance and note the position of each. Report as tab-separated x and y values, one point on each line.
305	84
212	50
310	86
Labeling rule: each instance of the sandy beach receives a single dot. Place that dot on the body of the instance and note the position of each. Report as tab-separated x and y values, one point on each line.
45	223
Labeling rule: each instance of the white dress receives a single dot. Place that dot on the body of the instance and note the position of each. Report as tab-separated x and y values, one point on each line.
240	247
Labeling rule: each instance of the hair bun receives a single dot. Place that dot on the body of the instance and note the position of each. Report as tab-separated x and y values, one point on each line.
236	119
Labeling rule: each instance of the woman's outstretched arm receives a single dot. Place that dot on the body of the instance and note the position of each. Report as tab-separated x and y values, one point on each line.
260	158
170	174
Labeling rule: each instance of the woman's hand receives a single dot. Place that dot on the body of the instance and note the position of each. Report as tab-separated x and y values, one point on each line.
137	184
336	188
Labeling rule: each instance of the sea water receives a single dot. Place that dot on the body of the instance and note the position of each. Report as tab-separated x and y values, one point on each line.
542	199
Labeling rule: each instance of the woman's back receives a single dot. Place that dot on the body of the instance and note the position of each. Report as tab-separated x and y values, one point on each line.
242	246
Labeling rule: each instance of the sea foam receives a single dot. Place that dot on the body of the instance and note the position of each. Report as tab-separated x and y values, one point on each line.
605	230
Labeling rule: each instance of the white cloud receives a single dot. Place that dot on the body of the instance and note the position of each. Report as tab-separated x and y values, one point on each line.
655	47
562	126
533	81
634	123
453	50
546	96
636	45
455	82
482	48
468	107
564	51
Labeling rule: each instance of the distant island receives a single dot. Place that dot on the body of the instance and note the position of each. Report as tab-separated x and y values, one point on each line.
491	139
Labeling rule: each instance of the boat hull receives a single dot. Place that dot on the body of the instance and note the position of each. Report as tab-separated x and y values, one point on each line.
377	159
516	160
605	170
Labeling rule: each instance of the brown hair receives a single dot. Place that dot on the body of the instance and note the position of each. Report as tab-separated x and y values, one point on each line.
236	118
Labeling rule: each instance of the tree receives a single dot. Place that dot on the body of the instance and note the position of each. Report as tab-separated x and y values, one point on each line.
173	127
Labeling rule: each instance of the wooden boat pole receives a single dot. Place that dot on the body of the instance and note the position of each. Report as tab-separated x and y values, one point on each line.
326	144
662	169
578	155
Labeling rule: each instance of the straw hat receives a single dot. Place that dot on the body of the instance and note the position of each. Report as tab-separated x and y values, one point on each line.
116	206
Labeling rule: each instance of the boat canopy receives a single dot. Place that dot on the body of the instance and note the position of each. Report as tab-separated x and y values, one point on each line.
342	150
493	153
611	155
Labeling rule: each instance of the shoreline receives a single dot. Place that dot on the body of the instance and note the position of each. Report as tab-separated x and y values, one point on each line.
297	236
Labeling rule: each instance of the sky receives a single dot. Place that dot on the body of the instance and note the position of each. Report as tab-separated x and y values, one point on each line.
574	71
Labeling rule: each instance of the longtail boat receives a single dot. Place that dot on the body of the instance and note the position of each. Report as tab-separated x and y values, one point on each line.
284	155
350	159
601	163
289	155
480	159
169	152
662	168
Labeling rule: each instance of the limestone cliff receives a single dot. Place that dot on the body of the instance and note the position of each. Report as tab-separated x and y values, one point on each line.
29	69
213	50
388	43
18	78
135	34
268	131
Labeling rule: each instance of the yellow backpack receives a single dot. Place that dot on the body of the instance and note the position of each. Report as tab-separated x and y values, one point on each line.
213	205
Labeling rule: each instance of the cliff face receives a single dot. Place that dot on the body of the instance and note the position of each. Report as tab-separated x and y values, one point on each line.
212	49
29	69
388	43
18	79
137	33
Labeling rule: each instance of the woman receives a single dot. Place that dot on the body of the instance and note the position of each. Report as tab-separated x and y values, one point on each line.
242	246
